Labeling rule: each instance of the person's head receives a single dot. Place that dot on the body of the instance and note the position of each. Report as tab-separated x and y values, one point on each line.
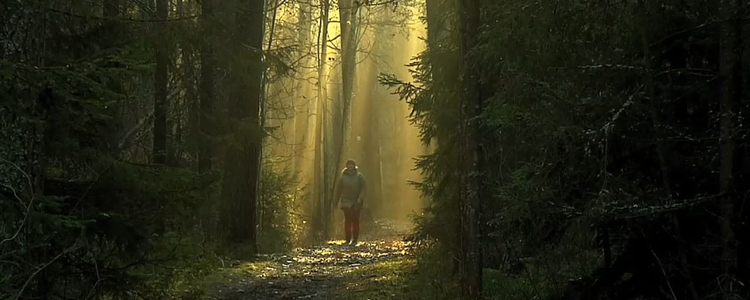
351	164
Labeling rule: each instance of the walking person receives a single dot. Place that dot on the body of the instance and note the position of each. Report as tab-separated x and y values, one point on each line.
349	194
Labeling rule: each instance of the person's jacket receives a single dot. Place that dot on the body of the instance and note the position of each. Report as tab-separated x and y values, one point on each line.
350	188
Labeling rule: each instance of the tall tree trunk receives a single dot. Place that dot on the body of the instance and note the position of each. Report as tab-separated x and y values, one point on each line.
439	38
190	100
337	123
371	149
730	69
265	114
206	88
267	117
111	35
191	85
160	84
301	102
242	158
472	102
322	208
348	13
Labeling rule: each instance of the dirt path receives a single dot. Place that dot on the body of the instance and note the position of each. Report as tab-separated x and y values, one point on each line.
320	272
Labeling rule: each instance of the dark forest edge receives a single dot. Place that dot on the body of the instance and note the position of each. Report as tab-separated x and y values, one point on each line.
611	145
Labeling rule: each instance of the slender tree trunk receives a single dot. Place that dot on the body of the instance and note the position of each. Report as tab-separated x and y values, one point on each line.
111	34
242	157
264	113
301	102
371	149
160	84
322	208
348	10
319	207
206	88
189	101
266	116
472	262
338	130
730	69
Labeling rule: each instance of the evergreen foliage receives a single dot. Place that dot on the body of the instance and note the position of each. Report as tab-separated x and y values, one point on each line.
85	211
602	145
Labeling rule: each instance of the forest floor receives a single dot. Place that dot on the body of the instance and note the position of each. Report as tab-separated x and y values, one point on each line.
377	268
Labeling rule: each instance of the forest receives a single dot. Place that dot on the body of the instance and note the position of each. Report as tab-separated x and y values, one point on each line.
504	149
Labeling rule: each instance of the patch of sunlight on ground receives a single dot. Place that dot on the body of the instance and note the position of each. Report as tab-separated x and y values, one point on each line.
382	280
335	242
256	268
374	269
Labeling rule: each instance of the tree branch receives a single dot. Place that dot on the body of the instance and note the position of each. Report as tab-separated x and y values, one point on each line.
186	18
15	194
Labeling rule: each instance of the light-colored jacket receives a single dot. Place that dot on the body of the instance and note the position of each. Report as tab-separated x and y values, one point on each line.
350	188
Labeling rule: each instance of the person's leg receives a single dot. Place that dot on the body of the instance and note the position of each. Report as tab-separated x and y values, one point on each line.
355	225
347	225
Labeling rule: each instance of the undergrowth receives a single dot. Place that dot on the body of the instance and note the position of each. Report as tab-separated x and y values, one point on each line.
430	275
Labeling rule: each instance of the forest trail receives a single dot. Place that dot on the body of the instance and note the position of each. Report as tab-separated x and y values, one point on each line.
374	269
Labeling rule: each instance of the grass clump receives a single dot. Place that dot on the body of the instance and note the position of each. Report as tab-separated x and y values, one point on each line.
382	280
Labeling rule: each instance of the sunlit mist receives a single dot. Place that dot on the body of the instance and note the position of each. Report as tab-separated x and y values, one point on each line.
381	138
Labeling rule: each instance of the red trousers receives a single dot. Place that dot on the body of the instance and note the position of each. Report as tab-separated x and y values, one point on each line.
351	223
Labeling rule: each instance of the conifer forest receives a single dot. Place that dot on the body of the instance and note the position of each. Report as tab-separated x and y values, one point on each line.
375	149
